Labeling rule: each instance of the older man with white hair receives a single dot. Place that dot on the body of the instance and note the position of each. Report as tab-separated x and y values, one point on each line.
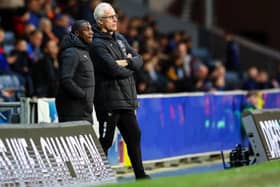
115	97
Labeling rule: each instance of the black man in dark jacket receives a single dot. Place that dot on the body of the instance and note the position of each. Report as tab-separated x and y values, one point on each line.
74	100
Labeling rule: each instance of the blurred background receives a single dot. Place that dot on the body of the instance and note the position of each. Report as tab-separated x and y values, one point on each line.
187	45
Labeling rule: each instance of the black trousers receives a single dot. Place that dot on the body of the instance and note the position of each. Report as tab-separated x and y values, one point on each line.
128	126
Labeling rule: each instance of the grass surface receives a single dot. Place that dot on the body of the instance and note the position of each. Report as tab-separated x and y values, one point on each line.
259	175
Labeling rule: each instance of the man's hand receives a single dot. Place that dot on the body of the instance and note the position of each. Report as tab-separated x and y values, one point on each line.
8	92
129	56
122	63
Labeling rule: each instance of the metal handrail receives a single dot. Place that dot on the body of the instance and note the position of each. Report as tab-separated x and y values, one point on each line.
249	44
9	104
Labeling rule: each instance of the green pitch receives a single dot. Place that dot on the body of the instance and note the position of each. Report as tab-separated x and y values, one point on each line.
259	175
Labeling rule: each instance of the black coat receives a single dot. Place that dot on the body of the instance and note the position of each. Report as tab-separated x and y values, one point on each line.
45	77
115	85
74	100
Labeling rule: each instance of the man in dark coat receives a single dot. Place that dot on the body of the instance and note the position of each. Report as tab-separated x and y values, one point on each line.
115	97
45	71
74	100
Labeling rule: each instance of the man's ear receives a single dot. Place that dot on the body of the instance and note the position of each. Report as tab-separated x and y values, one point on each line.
99	22
77	33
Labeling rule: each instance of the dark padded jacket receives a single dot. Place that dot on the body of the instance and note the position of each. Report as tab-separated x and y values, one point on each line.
115	85
74	100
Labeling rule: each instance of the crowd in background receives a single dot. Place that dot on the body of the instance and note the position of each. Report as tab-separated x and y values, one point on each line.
29	47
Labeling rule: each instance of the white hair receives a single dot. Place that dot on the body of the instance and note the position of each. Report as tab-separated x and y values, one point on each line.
99	10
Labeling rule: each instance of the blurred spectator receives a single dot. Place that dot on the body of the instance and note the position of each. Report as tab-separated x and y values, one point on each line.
34	45
11	89
45	72
22	65
2	37
19	20
189	44
132	36
218	84
251	101
61	25
34	7
150	79
137	22
263	80
4	66
217	77
87	10
182	51
46	28
49	8
199	79
163	43
250	82
147	40
178	74
28	28
175	38
124	26
232	53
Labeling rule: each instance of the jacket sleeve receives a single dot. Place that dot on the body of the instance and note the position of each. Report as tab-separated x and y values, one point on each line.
69	63
107	64
136	62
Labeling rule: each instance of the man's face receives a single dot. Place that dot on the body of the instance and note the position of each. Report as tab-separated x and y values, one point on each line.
86	33
109	21
253	100
37	39
52	48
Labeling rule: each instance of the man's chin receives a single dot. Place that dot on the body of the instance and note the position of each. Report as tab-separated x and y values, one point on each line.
114	29
89	41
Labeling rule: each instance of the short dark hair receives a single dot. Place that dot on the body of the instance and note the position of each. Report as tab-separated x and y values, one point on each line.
77	25
252	93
